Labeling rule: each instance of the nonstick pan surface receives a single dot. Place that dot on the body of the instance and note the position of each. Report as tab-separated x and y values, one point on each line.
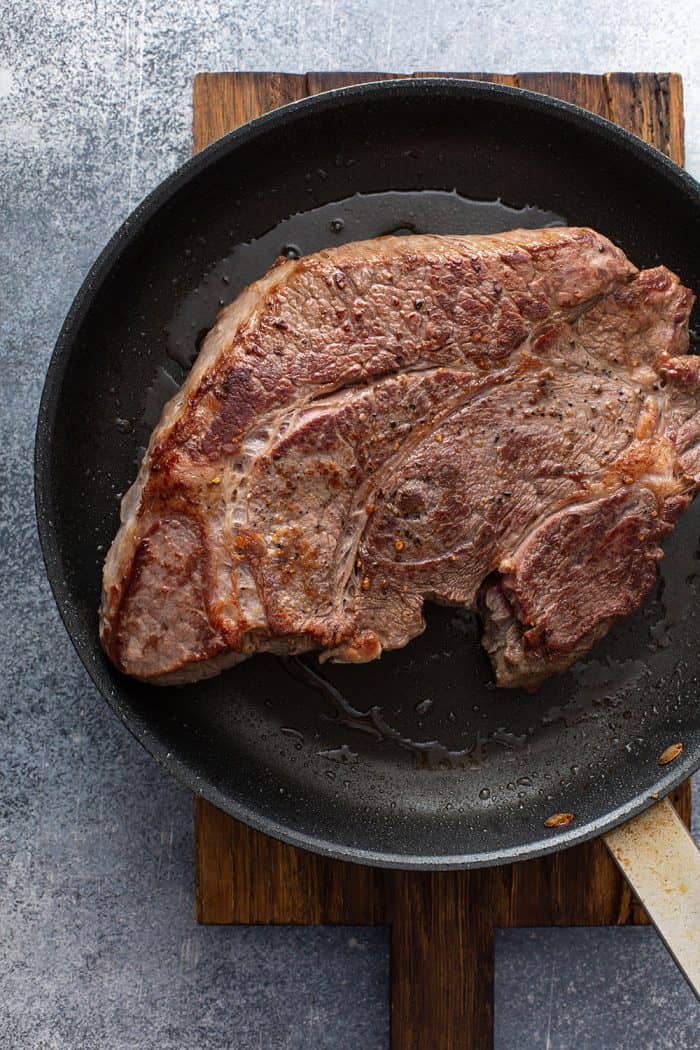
416	760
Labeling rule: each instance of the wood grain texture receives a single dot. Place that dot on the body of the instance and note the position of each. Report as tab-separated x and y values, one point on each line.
442	923
317	82
442	938
651	106
243	876
224	101
583	89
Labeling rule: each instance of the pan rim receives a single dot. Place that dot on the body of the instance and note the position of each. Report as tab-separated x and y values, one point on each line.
186	771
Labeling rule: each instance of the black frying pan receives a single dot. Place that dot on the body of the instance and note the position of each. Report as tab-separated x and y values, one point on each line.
414	761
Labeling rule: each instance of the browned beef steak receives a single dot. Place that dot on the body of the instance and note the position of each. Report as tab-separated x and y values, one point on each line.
505	423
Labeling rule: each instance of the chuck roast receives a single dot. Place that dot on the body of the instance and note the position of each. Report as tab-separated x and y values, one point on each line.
504	423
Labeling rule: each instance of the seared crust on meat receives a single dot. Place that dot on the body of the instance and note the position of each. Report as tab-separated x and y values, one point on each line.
507	422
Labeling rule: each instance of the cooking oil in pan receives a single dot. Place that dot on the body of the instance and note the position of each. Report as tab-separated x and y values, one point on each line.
365	215
431	754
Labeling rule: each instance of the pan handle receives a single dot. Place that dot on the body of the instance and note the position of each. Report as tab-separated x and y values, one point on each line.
661	862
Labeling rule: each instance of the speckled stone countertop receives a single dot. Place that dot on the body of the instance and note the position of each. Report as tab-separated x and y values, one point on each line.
98	944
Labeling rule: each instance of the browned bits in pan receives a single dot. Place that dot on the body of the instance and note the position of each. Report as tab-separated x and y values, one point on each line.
672	752
558	820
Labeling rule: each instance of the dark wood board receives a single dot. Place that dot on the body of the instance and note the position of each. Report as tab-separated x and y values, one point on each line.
442	923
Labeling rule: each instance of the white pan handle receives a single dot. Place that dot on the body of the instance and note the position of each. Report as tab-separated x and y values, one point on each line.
661	862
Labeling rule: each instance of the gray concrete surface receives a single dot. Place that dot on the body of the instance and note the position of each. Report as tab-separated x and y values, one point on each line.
98	946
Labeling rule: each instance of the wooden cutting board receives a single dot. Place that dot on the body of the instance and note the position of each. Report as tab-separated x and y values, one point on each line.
442	924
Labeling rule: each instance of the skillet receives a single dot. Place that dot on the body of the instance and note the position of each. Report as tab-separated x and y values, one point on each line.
415	761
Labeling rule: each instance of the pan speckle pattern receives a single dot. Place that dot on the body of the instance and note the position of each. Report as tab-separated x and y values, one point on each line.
98	946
